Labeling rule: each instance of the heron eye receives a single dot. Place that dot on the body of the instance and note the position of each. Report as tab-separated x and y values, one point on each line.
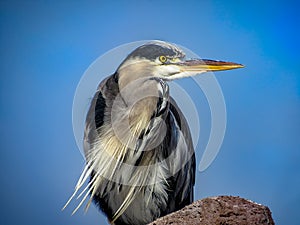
162	58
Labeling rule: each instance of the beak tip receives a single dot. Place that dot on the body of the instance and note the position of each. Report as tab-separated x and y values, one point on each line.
240	66
221	65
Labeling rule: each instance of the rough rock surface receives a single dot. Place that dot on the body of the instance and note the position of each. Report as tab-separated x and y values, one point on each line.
222	210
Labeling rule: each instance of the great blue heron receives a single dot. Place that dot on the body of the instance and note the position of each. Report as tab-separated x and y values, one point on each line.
138	148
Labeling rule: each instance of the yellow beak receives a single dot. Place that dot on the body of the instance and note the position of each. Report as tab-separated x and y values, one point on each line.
201	65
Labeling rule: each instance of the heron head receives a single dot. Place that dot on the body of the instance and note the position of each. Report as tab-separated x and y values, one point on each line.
167	61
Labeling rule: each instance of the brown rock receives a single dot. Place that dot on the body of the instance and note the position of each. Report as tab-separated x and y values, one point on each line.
222	210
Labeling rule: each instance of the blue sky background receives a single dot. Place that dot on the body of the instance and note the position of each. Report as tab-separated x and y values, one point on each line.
47	46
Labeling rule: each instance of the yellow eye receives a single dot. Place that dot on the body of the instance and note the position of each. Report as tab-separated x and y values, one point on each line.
162	58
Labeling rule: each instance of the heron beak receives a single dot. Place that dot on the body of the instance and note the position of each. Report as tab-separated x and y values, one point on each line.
193	67
205	65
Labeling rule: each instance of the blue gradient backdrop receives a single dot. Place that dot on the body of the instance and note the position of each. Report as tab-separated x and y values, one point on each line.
47	46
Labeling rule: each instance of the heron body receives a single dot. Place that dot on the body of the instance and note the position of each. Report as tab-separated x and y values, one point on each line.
138	148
